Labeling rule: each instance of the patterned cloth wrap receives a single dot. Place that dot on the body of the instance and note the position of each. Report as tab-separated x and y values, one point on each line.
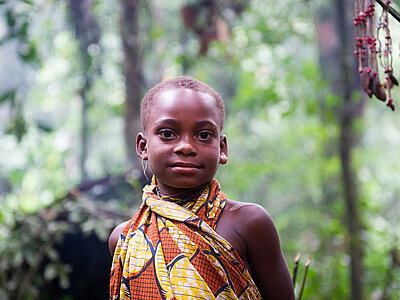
170	250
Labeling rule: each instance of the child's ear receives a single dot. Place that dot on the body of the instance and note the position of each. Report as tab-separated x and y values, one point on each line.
141	146
223	150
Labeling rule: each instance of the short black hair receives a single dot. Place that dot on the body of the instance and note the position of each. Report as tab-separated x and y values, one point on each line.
181	82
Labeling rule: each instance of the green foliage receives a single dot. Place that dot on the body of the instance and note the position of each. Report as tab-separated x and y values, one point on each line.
281	127
29	241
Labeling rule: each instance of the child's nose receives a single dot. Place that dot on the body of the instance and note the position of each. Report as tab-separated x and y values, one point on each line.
185	146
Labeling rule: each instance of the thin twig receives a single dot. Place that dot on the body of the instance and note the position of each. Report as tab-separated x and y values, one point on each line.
395	14
295	269
96	208
304	278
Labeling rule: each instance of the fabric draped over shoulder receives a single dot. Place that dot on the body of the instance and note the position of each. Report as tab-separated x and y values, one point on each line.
170	250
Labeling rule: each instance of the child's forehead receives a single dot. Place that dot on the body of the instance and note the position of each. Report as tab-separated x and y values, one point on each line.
184	96
184	102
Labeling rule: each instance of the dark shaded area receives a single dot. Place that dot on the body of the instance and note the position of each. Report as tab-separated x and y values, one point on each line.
91	262
89	256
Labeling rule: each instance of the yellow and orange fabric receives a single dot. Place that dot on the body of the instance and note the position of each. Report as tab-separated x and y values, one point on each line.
170	250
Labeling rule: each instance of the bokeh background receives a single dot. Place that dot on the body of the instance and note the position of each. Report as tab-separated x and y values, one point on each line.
304	142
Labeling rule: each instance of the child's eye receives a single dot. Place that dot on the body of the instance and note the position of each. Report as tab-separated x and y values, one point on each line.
167	134
205	135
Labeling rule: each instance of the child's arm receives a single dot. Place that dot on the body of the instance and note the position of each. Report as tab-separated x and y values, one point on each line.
114	236
263	252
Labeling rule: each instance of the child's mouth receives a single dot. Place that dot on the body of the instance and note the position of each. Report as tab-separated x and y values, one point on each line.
185	167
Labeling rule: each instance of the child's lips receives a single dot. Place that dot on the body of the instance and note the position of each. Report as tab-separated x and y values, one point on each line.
185	167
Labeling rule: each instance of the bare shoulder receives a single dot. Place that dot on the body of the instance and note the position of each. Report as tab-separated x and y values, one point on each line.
257	228
240	208
250	216
114	236
244	225
262	247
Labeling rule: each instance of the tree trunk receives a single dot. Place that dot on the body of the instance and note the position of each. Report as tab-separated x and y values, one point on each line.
84	137
87	32
350	111
132	68
339	67
350	194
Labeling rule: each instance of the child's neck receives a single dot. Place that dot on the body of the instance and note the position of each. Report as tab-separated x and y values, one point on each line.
179	193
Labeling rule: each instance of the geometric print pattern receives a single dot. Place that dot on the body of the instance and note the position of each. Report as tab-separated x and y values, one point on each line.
170	250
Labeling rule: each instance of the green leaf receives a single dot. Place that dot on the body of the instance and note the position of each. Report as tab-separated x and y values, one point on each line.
28	52
10	18
23	31
52	254
50	272
44	125
64	281
18	127
7	95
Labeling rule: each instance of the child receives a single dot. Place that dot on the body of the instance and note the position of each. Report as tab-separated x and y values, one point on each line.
187	241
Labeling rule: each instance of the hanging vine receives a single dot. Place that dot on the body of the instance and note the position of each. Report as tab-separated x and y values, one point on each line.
373	49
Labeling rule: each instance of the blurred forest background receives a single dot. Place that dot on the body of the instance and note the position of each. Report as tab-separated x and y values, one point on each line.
304	143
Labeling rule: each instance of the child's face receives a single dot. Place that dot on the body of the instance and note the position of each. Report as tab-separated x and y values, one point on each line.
183	140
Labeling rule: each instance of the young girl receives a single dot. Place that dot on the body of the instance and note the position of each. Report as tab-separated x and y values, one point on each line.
187	241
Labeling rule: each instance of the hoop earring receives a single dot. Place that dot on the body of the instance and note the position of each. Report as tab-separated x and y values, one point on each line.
144	168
